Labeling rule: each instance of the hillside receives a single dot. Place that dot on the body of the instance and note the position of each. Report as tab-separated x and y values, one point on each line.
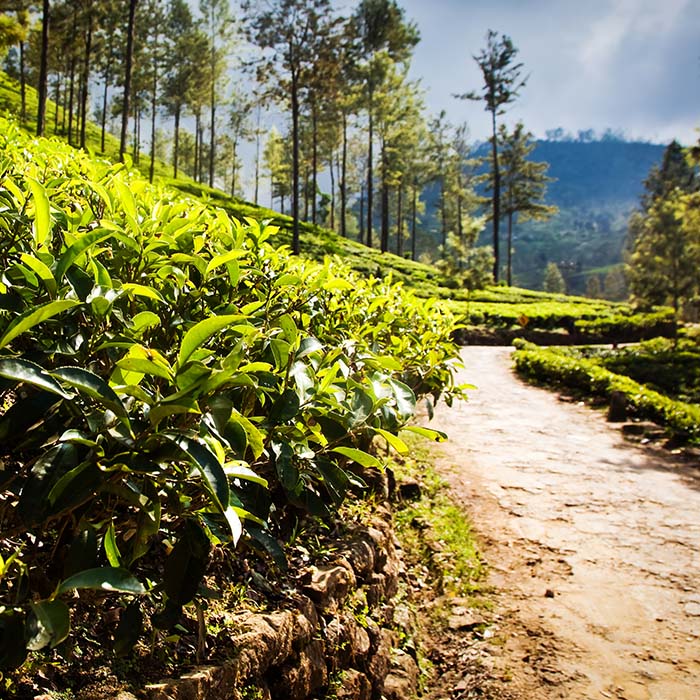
597	185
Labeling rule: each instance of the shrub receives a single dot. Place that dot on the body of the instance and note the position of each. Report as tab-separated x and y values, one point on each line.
173	384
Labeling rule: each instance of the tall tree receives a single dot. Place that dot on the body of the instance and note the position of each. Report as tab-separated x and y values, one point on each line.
43	67
379	26
128	66
524	184
288	32
502	82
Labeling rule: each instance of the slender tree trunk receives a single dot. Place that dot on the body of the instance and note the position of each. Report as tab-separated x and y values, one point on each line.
43	67
295	159
57	99
370	156
212	137
343	179
234	159
414	220
362	213
176	145
105	92
314	161
86	82
154	106
443	215
510	249
22	85
196	146
64	111
257	159
127	76
71	96
332	173
306	193
496	198
384	242
399	221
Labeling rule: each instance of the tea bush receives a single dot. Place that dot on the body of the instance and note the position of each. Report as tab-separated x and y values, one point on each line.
172	384
563	368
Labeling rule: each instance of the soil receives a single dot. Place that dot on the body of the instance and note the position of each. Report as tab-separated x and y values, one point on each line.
592	545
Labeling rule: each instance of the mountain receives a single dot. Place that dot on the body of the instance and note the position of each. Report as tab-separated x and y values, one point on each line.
597	185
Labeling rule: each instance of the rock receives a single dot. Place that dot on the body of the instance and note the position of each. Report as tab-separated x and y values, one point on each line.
360	555
464	621
330	585
549	593
617	412
354	686
378	667
299	678
402	680
410	491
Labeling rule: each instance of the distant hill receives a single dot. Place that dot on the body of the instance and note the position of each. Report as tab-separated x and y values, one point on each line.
597	186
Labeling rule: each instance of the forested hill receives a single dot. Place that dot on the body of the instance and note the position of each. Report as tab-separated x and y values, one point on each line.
597	185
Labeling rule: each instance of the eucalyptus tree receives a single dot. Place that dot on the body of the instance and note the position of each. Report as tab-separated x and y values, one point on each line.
43	68
524	184
128	66
288	32
502	82
379	25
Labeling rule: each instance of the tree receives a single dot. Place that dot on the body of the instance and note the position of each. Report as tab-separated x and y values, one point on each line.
128	65
43	68
288	32
663	237
553	279
502	83
379	25
524	183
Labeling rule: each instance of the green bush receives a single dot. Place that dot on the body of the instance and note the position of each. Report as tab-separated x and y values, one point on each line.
561	368
172	384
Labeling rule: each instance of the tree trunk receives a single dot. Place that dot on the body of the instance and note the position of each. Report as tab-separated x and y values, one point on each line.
127	76
257	159
22	85
443	216
176	145
105	92
343	179
496	197
295	156
43	68
414	219
510	249
196	146
399	221
314	161
362	213
384	242
234	159
71	95
370	174
86	82
57	99
154	105
212	138
332	212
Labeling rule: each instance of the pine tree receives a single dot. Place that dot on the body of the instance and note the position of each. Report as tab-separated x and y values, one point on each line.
553	279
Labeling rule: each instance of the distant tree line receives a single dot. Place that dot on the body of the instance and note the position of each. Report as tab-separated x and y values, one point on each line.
341	81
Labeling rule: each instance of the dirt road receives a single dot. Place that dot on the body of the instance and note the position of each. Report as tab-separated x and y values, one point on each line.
593	544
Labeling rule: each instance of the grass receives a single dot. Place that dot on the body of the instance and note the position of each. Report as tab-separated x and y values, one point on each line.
435	533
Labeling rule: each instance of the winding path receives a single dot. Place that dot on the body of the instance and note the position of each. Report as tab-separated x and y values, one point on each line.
593	543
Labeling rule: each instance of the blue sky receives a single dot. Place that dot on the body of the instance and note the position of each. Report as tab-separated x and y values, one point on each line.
624	64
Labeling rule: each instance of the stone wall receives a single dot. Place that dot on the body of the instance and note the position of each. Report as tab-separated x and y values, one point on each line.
340	639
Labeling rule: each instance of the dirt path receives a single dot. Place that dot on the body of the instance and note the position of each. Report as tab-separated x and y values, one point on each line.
593	544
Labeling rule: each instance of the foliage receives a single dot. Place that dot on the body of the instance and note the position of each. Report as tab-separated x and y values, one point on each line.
562	369
665	236
173	385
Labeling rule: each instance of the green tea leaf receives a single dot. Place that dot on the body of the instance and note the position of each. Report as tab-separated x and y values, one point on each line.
362	458
35	316
42	221
42	271
24	371
396	442
201	332
187	563
105	578
94	386
435	435
49	624
85	242
111	549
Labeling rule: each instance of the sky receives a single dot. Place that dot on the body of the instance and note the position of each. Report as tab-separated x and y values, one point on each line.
630	65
